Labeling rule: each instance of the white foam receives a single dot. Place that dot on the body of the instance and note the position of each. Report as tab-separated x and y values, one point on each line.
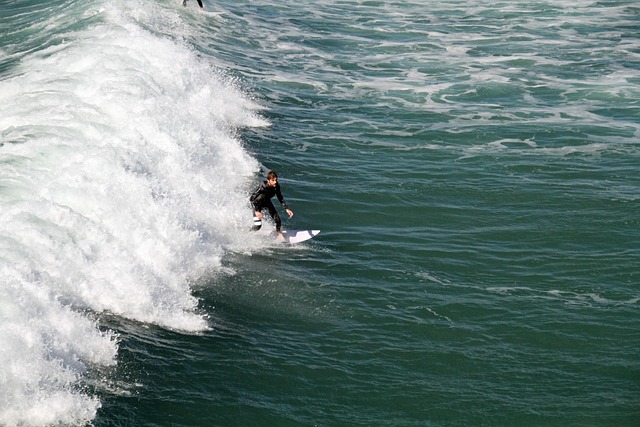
45	347
120	182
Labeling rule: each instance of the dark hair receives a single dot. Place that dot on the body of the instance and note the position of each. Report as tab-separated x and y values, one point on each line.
272	175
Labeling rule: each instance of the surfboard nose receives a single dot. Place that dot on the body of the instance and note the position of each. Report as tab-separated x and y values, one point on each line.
297	236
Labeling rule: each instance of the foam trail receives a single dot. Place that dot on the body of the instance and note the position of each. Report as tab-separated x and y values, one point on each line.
120	180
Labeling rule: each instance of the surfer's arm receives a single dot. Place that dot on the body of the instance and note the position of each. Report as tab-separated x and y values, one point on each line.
282	202
280	198
257	197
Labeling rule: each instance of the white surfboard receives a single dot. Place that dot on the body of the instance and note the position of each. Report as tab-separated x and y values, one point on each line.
297	236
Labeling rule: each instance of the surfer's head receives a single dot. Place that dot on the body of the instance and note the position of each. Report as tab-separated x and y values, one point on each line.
272	178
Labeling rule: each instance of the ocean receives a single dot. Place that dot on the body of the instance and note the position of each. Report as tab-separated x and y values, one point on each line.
473	166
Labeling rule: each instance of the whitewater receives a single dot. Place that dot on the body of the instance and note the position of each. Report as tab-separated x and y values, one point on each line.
122	178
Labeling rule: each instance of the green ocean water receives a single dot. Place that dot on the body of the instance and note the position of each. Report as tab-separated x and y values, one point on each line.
473	167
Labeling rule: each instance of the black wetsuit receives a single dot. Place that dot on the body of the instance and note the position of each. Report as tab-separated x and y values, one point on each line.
184	3
261	199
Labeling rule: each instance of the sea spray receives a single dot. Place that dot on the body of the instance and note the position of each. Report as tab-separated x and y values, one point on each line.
120	179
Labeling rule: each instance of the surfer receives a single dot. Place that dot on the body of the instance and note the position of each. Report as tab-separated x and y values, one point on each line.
261	199
184	3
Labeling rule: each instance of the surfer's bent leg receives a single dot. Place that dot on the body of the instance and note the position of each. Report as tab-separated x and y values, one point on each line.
274	214
257	224
258	206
